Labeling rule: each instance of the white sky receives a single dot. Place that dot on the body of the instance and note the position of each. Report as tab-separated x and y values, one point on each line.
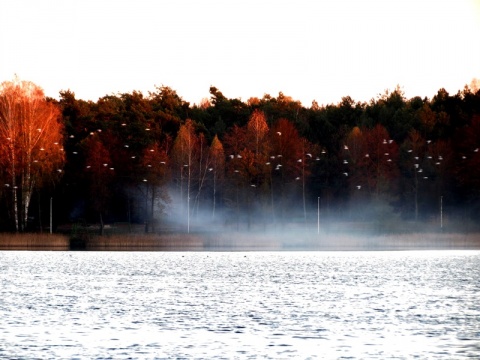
308	49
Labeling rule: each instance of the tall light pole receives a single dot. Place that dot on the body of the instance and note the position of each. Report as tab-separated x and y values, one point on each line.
51	214
441	213
318	215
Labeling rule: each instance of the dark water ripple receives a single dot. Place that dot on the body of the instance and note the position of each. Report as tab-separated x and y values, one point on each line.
351	305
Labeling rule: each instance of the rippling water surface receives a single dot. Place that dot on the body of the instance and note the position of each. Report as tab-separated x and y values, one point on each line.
331	305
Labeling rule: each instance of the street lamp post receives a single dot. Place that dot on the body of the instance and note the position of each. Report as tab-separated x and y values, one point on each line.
318	215
441	213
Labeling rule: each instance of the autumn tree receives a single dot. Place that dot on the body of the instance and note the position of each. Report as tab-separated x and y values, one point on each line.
31	142
467	167
291	158
237	180
185	165
353	153
217	163
257	130
154	166
412	160
256	154
99	172
379	164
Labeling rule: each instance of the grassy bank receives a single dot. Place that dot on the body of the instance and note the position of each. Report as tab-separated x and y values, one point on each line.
411	241
34	241
284	241
238	241
145	242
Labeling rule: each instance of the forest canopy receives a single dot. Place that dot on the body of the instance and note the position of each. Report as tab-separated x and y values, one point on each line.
159	162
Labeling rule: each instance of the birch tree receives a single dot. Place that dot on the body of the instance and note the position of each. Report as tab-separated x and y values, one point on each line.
184	161
31	143
217	156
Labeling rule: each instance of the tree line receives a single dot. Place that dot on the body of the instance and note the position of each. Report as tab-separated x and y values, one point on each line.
154	159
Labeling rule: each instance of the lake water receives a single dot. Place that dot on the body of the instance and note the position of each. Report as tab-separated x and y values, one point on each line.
203	305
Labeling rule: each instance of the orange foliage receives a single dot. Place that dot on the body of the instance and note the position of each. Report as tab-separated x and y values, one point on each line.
31	142
379	165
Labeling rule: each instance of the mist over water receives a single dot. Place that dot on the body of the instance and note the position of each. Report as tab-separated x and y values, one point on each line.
363	227
207	305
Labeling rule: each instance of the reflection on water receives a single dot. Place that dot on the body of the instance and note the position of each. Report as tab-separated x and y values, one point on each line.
240	305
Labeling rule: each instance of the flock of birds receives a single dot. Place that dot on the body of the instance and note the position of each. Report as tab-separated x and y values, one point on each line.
418	169
278	166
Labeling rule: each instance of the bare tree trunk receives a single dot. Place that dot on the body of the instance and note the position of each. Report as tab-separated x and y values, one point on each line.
146	209
40	212
214	192
15	198
101	224
303	192
152	210
416	196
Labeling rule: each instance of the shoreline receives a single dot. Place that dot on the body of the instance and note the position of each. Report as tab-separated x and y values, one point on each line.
241	242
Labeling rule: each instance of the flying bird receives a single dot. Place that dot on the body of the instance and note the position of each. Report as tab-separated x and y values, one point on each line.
345	173
279	133
359	187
